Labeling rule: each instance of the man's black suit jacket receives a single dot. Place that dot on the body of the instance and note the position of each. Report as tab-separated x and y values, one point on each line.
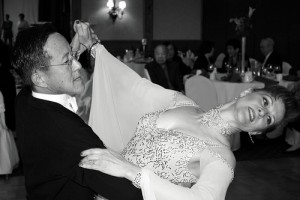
50	139
158	76
274	59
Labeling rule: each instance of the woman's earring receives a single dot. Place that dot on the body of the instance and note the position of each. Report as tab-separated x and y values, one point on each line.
251	138
250	133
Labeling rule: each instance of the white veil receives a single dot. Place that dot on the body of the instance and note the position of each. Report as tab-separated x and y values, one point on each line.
120	98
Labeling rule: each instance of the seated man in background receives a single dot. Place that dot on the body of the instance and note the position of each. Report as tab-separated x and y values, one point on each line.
203	61
271	57
50	133
164	73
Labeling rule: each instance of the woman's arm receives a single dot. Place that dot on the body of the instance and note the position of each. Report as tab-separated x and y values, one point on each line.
212	185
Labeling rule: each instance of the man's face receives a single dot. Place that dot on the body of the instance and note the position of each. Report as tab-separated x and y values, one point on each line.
171	51
160	54
61	77
265	48
232	51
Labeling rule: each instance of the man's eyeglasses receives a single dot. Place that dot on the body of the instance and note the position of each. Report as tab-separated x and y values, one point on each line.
73	55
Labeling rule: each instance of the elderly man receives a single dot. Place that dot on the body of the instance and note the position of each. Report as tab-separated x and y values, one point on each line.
271	57
51	135
163	72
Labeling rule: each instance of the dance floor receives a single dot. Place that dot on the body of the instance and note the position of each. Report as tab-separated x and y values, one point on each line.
263	172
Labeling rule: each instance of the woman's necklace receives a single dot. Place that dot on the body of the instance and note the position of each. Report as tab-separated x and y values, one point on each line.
212	118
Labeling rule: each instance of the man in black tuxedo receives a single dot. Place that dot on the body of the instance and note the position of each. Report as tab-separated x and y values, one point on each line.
51	135
271	57
163	72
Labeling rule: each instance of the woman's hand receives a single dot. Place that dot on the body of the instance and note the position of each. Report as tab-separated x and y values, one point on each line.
84	37
108	162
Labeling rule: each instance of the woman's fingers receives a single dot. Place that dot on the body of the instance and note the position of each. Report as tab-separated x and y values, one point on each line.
92	151
75	44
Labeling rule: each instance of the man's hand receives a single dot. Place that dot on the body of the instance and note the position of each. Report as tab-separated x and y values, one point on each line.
108	162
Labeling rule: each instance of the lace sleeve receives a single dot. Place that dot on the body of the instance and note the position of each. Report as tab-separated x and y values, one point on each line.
212	185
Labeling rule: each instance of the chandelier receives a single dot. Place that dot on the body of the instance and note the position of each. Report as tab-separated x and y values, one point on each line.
114	10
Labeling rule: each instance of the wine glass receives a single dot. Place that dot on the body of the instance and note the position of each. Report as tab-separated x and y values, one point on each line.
264	70
228	67
277	69
210	68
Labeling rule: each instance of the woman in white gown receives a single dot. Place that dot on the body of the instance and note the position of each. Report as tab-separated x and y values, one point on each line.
9	157
161	140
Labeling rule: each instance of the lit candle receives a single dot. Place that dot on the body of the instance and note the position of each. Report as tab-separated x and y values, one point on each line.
243	54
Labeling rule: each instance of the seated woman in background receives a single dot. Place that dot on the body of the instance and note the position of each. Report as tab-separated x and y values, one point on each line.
233	58
203	61
166	145
185	68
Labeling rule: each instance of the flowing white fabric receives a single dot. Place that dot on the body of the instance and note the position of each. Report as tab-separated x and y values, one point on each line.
120	98
9	157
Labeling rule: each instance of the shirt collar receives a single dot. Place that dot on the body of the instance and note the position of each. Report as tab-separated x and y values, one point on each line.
267	56
63	99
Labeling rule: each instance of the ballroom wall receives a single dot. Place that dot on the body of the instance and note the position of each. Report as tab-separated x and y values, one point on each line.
15	7
130	27
174	20
184	22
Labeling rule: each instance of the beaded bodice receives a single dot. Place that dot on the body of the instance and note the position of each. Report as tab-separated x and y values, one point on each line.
166	152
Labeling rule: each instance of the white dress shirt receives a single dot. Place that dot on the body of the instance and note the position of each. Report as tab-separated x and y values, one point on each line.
63	99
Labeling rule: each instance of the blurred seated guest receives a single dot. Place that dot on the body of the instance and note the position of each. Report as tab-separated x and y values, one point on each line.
292	136
164	73
203	61
9	157
270	56
233	58
22	23
7	30
7	85
185	68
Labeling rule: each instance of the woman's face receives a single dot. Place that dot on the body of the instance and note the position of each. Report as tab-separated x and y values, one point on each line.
232	51
258	111
171	51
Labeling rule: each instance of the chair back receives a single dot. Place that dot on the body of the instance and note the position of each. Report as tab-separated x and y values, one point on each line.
202	91
146	74
219	60
286	68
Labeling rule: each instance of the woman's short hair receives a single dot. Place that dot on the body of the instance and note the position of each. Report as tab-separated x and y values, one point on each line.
206	47
28	52
234	43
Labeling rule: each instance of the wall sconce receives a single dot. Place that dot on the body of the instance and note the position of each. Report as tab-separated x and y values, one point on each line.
116	11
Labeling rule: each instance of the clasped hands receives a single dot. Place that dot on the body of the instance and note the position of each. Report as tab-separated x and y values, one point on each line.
84	37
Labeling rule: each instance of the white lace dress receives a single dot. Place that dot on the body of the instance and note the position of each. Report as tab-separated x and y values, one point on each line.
124	112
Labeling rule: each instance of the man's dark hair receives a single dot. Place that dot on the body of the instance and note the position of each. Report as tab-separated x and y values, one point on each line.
28	52
22	16
234	43
206	47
